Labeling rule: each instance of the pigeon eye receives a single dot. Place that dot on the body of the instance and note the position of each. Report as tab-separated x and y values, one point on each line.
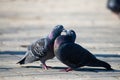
57	26
72	33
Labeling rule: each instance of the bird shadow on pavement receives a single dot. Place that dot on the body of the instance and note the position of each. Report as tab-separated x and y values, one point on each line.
41	67
89	69
83	69
31	66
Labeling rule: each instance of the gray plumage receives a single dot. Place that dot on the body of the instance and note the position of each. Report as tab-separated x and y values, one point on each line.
74	55
42	49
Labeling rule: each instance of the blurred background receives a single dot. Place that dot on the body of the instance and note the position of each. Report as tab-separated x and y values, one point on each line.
24	21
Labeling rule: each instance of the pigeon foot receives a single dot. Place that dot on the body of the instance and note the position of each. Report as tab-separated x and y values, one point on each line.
67	69
45	67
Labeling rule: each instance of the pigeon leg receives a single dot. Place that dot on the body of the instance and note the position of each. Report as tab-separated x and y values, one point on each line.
67	69
45	67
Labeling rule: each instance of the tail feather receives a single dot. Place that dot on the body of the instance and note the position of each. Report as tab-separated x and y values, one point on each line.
21	61
99	63
104	64
28	59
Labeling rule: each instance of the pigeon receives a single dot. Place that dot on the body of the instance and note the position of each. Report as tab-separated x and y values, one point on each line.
42	49
73	55
114	6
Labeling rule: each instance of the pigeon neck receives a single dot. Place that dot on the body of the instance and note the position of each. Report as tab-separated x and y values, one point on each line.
50	37
60	40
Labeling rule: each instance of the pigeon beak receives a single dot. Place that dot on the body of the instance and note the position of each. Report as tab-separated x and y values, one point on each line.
64	32
68	32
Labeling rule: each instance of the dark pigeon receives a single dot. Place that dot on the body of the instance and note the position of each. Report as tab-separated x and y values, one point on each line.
74	55
42	49
114	6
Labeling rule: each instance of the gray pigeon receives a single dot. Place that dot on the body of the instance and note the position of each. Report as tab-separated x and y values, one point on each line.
74	55
42	49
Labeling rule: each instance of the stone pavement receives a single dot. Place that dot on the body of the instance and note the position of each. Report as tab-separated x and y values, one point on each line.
24	21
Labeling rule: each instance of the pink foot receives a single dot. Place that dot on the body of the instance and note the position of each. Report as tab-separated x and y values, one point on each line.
45	67
67	70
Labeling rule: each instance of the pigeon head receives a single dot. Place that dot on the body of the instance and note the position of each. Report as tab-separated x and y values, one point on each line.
56	32
68	37
71	34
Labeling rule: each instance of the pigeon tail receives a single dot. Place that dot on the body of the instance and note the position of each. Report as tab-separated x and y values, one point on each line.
28	58
105	65
99	63
21	61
